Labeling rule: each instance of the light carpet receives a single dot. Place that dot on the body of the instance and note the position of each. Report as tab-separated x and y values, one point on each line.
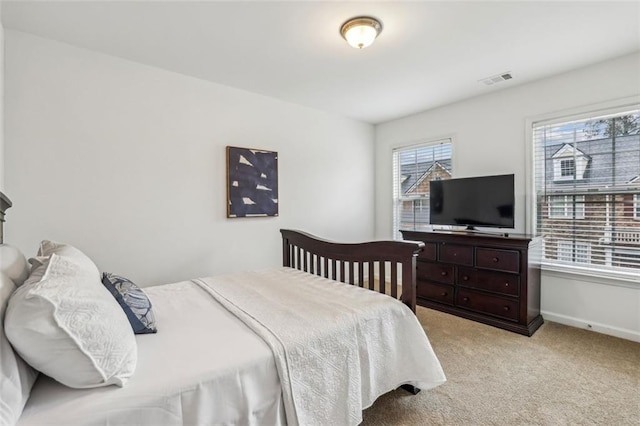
560	376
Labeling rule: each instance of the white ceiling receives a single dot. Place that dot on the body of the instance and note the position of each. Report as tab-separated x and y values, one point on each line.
429	53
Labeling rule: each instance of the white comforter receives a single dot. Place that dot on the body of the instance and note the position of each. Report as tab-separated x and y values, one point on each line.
204	367
337	347
332	350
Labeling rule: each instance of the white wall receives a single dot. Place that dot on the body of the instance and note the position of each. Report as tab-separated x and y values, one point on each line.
489	138
127	162
1	102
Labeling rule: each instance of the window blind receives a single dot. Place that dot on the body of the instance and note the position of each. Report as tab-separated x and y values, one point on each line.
413	168
587	181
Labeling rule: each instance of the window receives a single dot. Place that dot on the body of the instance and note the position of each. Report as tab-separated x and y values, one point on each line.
575	252
586	186
413	168
566	206
567	168
569	164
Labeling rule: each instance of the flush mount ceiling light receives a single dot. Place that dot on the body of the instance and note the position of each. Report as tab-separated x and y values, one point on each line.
361	31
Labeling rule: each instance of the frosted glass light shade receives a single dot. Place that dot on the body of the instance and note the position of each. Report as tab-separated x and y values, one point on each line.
361	32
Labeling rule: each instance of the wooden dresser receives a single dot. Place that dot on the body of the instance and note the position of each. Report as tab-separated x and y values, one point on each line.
493	279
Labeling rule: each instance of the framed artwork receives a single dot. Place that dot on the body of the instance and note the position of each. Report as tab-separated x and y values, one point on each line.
252	182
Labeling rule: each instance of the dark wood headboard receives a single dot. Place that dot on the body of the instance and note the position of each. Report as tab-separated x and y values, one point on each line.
346	262
5	203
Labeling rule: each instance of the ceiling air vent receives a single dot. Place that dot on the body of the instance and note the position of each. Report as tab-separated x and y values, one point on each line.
498	78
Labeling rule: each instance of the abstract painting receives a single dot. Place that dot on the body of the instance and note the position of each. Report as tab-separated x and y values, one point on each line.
252	182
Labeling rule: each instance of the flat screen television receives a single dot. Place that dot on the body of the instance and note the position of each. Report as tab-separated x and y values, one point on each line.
485	201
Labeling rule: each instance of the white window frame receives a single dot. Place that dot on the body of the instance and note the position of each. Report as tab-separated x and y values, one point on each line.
615	278
573	248
563	167
636	206
567	153
566	206
423	203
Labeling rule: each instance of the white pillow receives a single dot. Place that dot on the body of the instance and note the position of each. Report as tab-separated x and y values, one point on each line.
69	327
13	263
46	249
16	376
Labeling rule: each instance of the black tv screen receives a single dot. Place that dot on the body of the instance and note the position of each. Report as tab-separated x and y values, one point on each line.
486	201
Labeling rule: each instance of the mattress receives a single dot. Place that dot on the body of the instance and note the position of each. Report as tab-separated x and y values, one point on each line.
187	374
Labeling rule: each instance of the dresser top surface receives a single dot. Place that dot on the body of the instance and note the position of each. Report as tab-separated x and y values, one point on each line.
504	237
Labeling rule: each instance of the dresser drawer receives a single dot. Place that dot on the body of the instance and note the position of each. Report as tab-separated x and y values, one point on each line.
499	260
454	253
429	252
437	292
434	272
492	305
497	282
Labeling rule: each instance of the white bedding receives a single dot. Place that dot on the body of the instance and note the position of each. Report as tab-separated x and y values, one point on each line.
276	365
337	347
203	366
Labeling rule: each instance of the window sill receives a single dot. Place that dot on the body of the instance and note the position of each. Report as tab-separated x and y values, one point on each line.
619	279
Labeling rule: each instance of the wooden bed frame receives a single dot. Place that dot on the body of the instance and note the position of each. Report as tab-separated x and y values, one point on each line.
346	262
341	262
5	203
362	264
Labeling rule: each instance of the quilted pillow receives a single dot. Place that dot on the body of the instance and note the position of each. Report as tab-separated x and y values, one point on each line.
69	327
13	264
16	376
133	301
47	248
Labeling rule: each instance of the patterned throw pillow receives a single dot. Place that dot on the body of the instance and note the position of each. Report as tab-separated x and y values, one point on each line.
133	301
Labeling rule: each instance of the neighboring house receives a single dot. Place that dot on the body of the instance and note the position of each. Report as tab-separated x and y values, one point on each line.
590	212
415	178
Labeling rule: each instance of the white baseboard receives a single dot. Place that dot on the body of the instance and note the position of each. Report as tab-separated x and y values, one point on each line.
593	326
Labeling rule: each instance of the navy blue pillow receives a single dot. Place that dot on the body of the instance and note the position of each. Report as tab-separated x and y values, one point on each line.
133	302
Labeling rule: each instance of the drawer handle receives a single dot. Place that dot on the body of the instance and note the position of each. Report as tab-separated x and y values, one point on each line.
506	284
496	260
444	294
506	308
466	299
443	273
465	278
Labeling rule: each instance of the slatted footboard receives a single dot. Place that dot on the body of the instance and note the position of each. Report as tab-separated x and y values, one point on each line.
373	265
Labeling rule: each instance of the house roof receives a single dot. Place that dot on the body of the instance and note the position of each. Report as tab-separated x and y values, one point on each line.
568	150
417	172
611	162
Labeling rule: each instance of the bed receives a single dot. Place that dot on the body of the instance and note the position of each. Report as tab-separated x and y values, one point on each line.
307	343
